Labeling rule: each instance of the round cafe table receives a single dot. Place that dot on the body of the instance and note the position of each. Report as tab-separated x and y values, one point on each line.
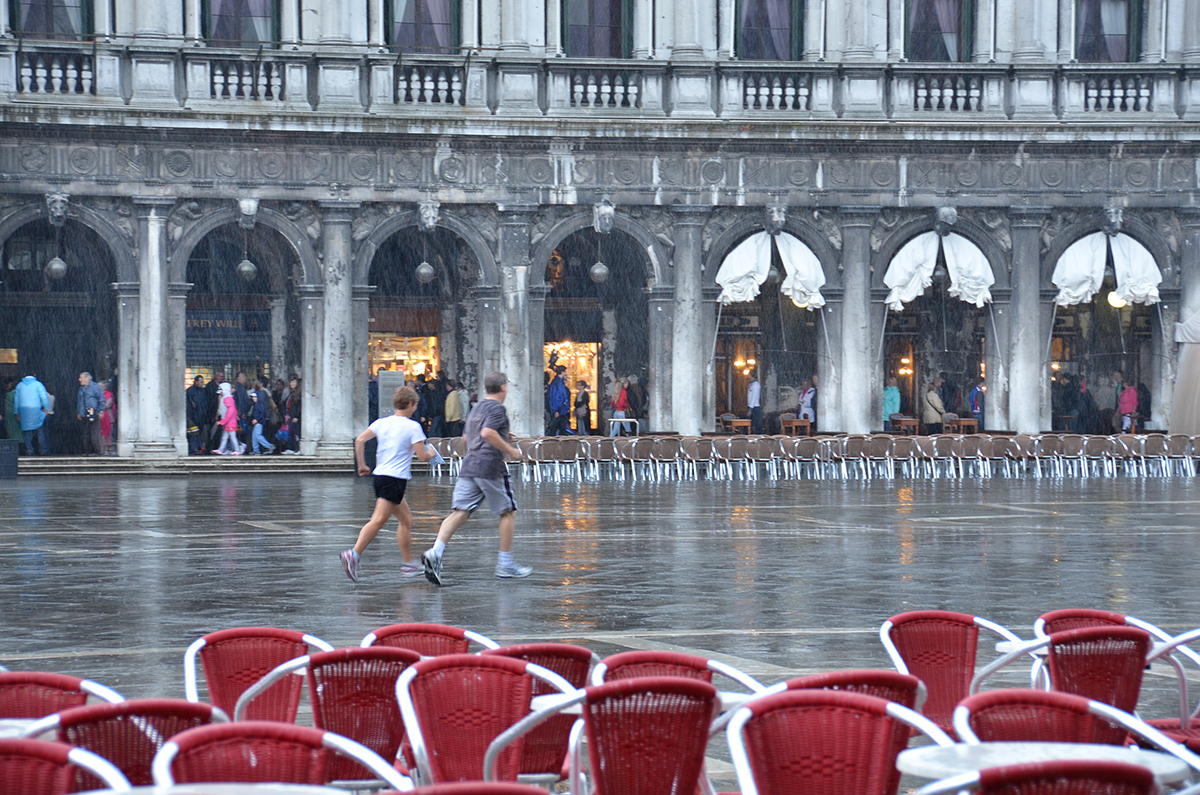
230	789
938	762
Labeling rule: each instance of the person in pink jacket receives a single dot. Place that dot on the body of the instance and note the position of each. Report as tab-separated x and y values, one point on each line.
229	423
1127	404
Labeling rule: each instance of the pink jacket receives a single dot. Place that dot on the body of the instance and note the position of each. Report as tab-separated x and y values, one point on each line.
230	420
1129	401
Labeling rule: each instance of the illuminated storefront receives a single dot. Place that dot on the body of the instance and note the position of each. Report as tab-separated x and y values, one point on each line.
412	356
582	360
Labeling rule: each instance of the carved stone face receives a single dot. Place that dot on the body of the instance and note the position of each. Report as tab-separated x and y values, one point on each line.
56	206
428	213
604	216
776	218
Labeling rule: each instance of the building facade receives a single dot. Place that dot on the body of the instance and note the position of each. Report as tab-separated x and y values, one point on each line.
330	187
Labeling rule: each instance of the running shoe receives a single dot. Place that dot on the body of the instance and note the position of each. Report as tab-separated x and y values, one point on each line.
414	568
433	566
512	571
350	564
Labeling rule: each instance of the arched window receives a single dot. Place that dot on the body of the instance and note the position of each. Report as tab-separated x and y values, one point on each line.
1108	31
241	23
51	19
598	28
769	30
940	30
423	26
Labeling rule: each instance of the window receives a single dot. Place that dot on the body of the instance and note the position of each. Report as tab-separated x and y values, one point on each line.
598	28
241	23
940	30
769	30
423	25
51	19
1108	31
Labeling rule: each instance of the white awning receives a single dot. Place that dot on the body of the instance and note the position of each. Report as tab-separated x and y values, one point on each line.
910	272
1079	272
747	266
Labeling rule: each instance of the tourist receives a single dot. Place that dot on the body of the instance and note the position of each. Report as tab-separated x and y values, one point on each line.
891	402
975	402
227	419
400	438
808	401
483	475
454	410
583	409
108	422
48	425
620	404
1127	405
754	403
934	408
32	403
241	398
636	394
212	403
291	416
559	404
259	415
1087	418
948	392
12	421
1143	408
1118	379
89	405
197	413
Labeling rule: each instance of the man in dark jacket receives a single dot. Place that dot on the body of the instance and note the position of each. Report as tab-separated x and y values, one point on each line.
89	405
559	405
197	414
212	402
241	399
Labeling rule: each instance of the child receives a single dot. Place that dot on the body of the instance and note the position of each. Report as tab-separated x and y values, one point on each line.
400	438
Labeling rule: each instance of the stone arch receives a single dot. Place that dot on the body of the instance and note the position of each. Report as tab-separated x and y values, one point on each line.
124	255
808	234
971	230
656	255
489	273
271	218
1134	227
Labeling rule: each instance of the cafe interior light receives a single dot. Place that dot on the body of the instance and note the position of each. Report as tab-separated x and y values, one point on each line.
739	363
1116	301
905	361
799	305
1054	365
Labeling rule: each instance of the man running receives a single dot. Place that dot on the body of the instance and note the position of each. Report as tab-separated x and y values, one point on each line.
483	476
400	438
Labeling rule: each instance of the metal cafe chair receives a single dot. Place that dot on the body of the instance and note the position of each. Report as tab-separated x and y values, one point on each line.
476	788
35	694
41	767
234	659
938	647
428	640
263	752
453	706
827	741
634	664
128	734
644	736
353	693
1051	778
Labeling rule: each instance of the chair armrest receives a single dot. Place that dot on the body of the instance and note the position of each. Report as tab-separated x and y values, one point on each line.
313	640
523	726
1025	648
266	681
368	759
482	640
189	670
101	692
103	769
919	722
741	677
1142	729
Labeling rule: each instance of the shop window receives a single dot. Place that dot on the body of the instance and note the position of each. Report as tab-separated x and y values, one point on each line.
51	19
582	363
1107	31
598	28
411	356
769	30
423	26
241	23
940	30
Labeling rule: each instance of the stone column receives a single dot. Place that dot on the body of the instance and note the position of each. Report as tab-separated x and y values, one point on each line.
996	353
608	367
128	302
857	46
158	20
176	396
708	336
338	372
858	353
361	326
1191	37
490	333
691	349
829	369
1027	385
312	356
448	340
1189	263
524	401
662	333
155	364
522	25
688	40
537	357
279	332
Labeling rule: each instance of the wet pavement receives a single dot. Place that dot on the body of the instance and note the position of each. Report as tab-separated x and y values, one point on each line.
112	579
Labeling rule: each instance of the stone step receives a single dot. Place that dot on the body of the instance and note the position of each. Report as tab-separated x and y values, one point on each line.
192	465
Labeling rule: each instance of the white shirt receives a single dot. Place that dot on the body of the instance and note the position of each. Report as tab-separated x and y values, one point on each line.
753	394
396	435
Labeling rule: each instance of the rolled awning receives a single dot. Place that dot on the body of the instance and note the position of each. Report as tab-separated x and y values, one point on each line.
910	272
1079	272
805	277
746	268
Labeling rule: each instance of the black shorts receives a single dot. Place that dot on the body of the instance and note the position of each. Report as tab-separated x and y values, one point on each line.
390	489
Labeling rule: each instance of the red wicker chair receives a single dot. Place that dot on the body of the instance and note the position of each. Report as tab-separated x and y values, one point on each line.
38	767
630	664
1019	715
1101	663
904	689
35	694
476	788
1052	778
234	659
130	733
428	640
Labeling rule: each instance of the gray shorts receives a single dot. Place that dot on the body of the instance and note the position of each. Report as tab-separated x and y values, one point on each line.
469	494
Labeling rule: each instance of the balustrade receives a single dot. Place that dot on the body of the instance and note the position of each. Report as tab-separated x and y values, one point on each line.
50	71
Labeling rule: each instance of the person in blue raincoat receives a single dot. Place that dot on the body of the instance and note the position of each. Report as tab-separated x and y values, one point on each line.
32	403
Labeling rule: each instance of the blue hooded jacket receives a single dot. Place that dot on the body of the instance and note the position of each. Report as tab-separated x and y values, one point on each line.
32	402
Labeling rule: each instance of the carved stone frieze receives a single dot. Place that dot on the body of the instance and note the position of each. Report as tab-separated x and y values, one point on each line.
482	219
1057	221
183	216
719	220
305	217
658	221
830	225
117	212
888	220
996	222
543	221
1166	223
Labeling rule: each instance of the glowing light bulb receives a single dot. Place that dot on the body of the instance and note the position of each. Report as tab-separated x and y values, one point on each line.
1116	301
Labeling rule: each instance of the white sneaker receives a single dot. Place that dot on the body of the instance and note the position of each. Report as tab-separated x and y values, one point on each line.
512	571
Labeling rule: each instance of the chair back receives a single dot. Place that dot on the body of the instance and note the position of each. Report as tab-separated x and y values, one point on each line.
1076	618
904	689
130	733
1021	715
234	659
477	788
460	703
648	735
1101	663
636	664
353	693
826	741
1071	777
546	745
35	694
428	640
250	752
38	767
938	647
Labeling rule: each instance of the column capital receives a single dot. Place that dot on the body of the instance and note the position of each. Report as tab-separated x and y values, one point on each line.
660	293
178	289
1025	215
514	213
145	206
338	212
859	214
362	292
487	292
126	289
310	291
1189	216
538	292
711	294
690	214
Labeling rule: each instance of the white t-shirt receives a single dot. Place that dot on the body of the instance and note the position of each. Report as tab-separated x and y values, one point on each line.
396	435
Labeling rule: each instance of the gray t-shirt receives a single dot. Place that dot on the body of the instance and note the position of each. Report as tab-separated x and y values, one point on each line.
482	460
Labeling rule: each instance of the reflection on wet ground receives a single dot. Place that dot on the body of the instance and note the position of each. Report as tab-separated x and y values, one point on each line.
112	580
